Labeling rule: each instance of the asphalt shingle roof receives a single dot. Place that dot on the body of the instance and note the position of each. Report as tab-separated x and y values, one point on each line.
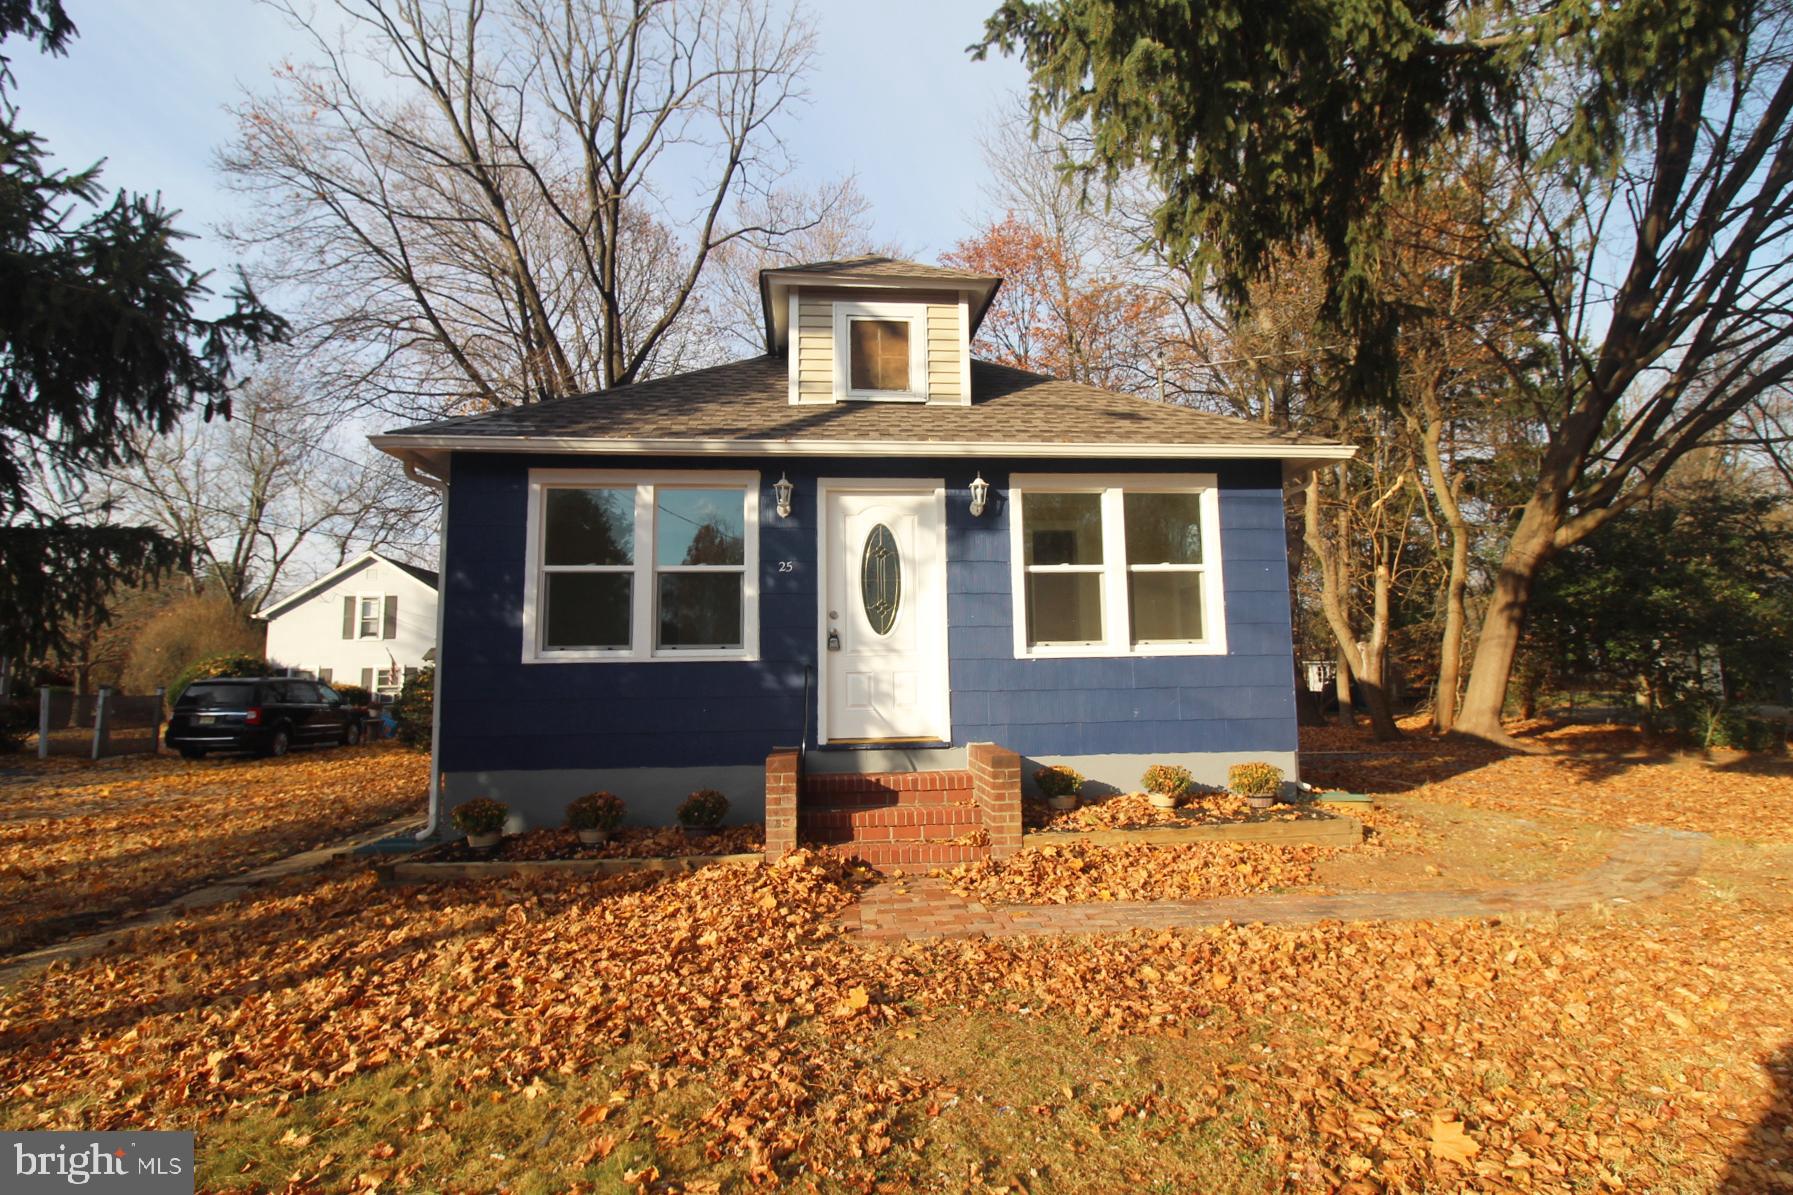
749	400
874	266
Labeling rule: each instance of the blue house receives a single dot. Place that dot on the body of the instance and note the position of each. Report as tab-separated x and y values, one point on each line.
866	543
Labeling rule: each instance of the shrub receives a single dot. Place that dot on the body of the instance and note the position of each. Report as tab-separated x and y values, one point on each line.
355	695
481	815
1254	780
413	709
1166	779
595	811
182	633
704	808
18	719
228	664
1710	724
1058	781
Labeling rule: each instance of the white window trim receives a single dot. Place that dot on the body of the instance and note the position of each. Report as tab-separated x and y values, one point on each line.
1116	613
379	601
916	315
644	592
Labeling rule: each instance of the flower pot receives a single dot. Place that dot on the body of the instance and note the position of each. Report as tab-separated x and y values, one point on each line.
484	842
1062	803
1163	801
593	837
1260	802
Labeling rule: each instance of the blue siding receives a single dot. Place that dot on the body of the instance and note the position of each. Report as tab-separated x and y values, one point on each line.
501	714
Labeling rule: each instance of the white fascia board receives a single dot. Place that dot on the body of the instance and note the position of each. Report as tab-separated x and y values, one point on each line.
402	446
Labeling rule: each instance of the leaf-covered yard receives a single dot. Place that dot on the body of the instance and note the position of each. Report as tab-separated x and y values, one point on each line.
714	1030
82	844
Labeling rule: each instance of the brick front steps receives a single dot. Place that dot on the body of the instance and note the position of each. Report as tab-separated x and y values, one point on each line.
898	819
892	818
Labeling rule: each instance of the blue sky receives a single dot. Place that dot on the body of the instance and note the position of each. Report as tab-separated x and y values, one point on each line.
898	102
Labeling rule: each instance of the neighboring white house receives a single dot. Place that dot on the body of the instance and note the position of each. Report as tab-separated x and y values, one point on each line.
372	623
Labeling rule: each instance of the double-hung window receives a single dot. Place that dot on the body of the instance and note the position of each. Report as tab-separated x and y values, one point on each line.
1109	566
638	566
368	617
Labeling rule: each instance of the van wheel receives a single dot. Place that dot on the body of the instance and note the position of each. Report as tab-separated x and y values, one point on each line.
278	742
351	734
192	752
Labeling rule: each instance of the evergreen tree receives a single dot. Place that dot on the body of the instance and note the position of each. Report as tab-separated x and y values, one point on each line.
100	338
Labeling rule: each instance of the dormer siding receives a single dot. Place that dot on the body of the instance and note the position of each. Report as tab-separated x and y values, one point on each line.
814	376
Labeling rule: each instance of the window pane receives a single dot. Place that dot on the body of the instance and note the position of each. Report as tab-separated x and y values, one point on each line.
589	526
878	353
1167	607
1061	528
586	610
700	526
1064	608
700	610
1164	528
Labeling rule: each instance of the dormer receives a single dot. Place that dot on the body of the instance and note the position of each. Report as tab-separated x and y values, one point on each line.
874	329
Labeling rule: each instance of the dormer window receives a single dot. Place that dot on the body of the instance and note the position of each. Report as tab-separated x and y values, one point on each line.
879	351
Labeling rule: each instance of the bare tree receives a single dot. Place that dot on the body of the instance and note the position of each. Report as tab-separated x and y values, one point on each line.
1666	274
493	204
264	490
828	223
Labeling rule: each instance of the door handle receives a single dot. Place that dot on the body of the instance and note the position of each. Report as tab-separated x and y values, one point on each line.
833	639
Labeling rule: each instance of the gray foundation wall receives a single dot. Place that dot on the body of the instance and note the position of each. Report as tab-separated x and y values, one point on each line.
538	799
1108	774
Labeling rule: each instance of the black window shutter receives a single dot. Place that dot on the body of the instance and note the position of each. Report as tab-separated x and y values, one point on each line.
367	678
389	629
348	618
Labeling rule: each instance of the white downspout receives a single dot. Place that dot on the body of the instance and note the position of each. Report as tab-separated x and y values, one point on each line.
434	818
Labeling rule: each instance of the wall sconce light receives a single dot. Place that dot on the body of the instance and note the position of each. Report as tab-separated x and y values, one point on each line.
782	489
980	495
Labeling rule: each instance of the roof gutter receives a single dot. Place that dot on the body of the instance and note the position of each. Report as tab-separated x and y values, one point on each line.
424	447
433	820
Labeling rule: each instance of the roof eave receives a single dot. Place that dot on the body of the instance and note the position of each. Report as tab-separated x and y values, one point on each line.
430	451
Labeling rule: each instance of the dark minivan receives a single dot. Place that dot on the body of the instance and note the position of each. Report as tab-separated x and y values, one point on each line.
266	715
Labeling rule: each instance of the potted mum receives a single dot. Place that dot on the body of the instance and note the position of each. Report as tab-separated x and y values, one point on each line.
702	812
1060	786
1258	783
1165	784
594	816
481	820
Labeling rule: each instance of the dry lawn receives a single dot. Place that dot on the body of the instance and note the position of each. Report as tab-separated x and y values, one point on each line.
712	1031
82	844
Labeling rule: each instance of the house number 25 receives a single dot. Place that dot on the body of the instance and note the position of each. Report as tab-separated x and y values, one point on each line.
787	566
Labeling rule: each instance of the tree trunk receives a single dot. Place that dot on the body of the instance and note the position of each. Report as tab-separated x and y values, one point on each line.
1374	673
1444	494
1341	685
1498	644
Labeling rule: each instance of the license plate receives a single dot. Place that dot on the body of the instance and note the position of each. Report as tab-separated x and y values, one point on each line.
206	719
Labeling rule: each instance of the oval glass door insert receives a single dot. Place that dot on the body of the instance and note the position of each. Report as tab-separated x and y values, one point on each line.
881	579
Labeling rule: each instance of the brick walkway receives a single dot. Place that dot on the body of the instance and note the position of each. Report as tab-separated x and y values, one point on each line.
1645	863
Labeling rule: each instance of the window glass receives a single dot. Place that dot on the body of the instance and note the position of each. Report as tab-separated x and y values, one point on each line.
878	354
1064	608
328	695
1163	528
589	526
1166	606
693	527
701	609
586	610
1061	529
201	695
370	618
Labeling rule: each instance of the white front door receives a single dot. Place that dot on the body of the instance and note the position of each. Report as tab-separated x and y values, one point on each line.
883	612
